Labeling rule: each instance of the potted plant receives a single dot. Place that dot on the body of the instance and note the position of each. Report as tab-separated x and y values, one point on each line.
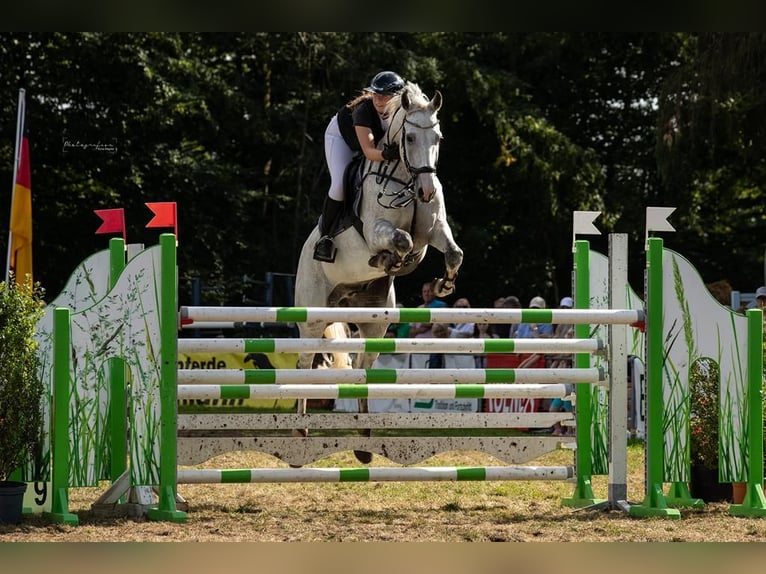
21	390
703	432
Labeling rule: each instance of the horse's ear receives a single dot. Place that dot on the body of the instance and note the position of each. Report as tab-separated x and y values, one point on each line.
405	100
436	101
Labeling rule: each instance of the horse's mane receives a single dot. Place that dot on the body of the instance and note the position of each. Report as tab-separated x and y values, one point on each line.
416	95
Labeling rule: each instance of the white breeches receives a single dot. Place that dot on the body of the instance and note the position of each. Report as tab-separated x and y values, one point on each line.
338	156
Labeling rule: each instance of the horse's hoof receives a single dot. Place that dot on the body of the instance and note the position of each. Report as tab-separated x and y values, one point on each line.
363	456
395	266
377	261
443	288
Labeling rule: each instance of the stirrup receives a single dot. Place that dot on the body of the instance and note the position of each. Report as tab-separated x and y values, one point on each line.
324	250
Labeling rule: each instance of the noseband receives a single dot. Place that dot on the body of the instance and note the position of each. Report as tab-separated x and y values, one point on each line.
415	171
405	195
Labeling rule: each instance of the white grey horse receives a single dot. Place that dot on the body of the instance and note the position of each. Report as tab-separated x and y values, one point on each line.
402	213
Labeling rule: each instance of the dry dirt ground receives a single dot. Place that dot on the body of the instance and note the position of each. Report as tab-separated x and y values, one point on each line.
393	512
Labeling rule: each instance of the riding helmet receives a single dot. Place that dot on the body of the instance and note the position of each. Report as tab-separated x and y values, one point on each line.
386	84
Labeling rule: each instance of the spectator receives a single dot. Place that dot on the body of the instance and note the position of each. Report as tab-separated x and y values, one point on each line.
462	330
534	330
482	331
436	360
506	330
760	303
423	330
564	330
398	330
562	361
760	298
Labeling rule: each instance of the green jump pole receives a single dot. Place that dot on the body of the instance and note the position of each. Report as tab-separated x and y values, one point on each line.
583	492
654	503
754	503
60	435
166	507
118	401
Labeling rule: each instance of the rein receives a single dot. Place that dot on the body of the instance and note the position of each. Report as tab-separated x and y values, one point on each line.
404	196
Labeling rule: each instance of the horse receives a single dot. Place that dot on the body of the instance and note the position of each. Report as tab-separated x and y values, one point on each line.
402	212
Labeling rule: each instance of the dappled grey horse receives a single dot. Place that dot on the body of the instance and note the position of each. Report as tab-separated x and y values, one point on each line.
402	213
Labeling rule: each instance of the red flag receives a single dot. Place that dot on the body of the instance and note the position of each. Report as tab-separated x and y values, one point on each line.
20	229
113	221
164	215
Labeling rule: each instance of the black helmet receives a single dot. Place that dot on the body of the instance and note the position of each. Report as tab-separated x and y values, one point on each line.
386	84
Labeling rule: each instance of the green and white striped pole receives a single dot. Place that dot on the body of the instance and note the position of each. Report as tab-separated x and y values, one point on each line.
389	345
374	474
191	316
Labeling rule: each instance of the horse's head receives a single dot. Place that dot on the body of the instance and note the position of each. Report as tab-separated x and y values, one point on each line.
415	120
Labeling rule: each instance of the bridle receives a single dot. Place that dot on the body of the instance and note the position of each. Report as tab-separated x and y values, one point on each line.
415	171
406	194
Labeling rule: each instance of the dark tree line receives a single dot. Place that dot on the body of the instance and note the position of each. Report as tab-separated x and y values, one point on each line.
536	125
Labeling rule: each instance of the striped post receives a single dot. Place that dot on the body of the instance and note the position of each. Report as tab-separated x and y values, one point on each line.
754	503
166	507
654	503
583	494
60	439
118	405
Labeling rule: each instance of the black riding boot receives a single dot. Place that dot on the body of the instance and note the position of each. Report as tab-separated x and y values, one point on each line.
324	250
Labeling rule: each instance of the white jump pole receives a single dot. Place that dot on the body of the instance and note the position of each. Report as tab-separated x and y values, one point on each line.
374	474
192	316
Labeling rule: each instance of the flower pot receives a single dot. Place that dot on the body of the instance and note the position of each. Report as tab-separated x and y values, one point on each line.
738	491
11	501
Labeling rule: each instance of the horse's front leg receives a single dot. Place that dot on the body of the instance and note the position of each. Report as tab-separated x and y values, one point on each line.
441	239
390	245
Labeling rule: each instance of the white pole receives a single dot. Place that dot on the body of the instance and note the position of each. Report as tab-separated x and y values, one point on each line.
617	483
19	134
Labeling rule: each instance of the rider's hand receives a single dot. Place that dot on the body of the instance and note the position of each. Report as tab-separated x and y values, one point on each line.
390	152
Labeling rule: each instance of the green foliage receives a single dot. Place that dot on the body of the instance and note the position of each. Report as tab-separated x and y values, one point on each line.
21	391
704	394
536	125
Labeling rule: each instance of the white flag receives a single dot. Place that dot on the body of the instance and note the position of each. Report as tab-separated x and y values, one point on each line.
583	223
657	219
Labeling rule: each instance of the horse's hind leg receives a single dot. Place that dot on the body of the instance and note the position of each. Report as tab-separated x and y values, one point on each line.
306	361
365	361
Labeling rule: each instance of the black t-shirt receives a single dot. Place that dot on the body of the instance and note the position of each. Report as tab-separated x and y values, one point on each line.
364	114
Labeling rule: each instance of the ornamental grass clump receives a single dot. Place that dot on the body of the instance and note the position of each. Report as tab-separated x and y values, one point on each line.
21	389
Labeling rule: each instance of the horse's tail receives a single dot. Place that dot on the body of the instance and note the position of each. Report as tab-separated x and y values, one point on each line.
338	360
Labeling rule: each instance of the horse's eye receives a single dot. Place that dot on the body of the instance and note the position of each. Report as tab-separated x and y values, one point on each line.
410	138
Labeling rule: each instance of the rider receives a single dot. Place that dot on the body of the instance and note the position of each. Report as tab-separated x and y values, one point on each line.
357	127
